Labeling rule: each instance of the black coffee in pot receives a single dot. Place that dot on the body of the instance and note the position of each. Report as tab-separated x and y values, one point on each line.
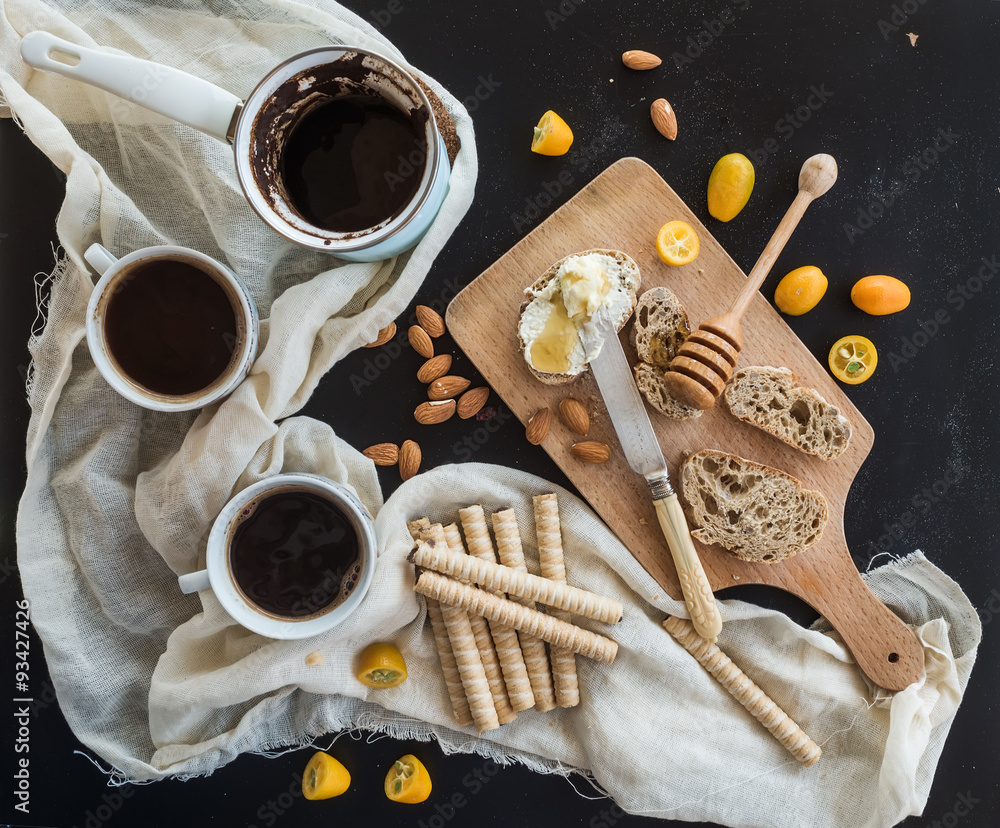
351	162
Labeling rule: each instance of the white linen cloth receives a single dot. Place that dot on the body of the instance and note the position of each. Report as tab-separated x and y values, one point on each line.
119	500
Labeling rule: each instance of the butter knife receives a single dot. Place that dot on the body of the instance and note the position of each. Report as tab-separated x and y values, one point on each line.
635	432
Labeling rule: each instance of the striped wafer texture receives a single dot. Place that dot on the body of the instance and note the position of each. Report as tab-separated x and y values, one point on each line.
558	633
508	646
470	668
764	709
484	643
498	578
536	657
449	667
550	559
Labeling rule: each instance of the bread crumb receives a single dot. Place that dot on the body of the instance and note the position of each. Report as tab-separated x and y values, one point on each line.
314	659
736	577
913	38
643	521
656	597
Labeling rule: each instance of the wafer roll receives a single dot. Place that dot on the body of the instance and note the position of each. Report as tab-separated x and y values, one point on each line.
558	633
484	642
756	701
536	657
495	577
449	667
466	650
550	559
515	673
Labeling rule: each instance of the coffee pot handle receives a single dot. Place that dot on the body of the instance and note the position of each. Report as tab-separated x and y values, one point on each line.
163	89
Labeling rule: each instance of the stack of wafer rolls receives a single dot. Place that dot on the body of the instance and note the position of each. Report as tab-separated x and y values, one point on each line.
492	646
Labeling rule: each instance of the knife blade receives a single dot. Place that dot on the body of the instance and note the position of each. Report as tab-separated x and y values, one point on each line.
642	451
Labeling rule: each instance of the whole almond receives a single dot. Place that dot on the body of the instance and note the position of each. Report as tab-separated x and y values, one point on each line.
538	426
384	335
431	413
447	387
664	118
420	341
434	368
590	451
472	401
383	454
430	320
638	59
409	459
575	416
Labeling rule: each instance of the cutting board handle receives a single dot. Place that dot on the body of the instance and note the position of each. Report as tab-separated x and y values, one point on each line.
885	648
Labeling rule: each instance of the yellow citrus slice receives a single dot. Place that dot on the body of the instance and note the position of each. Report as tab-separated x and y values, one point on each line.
800	290
853	359
677	243
324	777
408	780
880	295
729	186
381	665
552	135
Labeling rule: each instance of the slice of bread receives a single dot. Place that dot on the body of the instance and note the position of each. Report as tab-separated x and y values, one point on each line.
654	389
770	399
659	330
628	281
660	327
758	513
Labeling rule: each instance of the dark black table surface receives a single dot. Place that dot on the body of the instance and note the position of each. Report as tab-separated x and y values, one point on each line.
913	128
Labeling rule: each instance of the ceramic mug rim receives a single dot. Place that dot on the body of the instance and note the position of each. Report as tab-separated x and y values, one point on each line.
101	353
255	618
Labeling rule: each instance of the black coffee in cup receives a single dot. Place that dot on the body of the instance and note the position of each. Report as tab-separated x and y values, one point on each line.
171	327
294	554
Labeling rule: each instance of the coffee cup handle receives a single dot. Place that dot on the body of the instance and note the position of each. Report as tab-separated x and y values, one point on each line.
194	581
162	89
99	258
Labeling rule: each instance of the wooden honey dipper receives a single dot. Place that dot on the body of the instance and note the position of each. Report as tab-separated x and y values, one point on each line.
705	362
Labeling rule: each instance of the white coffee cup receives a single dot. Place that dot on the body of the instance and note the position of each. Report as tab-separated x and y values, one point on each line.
113	273
218	574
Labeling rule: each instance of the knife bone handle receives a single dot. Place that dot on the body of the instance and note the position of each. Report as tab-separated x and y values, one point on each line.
697	592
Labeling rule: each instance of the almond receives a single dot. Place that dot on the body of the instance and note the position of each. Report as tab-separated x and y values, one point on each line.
434	368
430	320
664	118
384	335
383	454
472	401
590	451
538	426
431	413
420	341
575	416
638	59
447	387
409	459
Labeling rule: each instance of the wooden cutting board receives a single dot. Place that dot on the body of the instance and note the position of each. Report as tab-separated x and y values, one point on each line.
623	208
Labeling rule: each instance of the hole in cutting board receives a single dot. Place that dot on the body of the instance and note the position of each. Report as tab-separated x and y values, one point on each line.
893	658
